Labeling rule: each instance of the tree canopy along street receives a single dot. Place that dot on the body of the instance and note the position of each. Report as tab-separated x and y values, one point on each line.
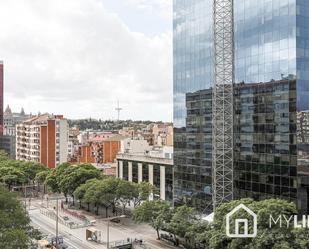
17	173
15	229
182	225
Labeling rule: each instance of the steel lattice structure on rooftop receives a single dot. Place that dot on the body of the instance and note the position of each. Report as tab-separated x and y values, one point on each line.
222	134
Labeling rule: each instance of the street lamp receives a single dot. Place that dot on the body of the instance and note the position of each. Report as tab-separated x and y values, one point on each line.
108	220
57	220
56	210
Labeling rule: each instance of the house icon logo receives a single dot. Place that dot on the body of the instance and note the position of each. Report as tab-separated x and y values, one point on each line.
241	223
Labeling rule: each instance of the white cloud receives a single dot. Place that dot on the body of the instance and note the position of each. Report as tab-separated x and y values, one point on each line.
161	7
74	57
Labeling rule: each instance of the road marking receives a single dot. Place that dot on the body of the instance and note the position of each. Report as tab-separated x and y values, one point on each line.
67	235
50	231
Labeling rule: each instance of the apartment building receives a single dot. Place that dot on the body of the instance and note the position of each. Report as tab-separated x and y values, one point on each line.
43	139
101	149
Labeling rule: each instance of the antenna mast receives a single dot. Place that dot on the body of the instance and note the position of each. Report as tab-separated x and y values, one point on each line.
118	109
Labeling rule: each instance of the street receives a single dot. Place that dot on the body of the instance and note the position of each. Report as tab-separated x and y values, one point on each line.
76	238
47	226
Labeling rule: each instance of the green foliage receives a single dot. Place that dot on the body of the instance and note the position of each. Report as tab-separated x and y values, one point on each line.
197	235
161	217
30	169
110	192
52	182
80	191
78	176
125	192
183	218
67	178
12	176
107	192
142	192
15	231
90	193
3	156
41	176
156	213
103	193
108	125
14	173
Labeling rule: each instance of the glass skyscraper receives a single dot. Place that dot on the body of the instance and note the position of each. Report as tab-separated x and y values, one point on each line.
192	73
271	95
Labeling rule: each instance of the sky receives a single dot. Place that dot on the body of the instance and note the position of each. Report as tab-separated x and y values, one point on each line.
79	57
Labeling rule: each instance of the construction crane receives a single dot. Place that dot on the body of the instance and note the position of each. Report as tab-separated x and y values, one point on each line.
223	107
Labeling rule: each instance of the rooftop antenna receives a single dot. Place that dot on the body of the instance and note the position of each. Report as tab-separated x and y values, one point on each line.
118	109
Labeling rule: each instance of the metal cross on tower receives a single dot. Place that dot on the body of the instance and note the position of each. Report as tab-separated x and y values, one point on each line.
222	133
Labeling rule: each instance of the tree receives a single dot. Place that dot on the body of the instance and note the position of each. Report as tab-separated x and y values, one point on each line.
15	229
90	195
142	192
18	172
76	176
67	178
111	197
30	169
182	219
124	192
197	235
55	177
99	192
156	213
12	176
40	178
51	181
107	193
62	178
80	192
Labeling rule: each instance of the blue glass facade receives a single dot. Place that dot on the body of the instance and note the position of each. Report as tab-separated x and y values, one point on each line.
192	109
192	50
302	66
265	159
265	41
271	100
302	50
